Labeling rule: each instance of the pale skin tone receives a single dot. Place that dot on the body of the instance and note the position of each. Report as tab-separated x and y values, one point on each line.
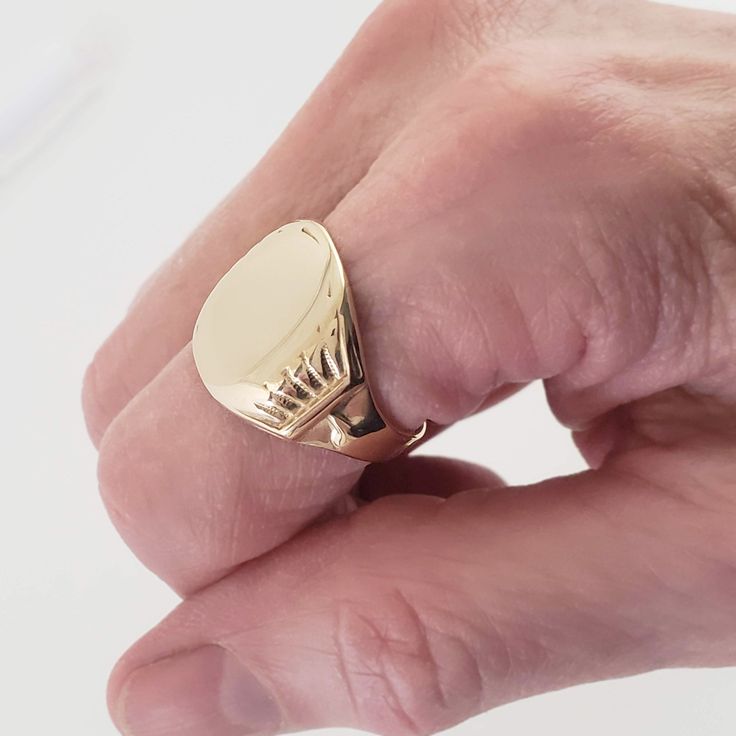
519	191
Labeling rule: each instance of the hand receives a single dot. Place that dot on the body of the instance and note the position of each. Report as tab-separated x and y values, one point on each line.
520	191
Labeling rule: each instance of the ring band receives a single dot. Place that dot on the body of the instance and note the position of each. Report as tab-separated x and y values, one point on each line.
277	343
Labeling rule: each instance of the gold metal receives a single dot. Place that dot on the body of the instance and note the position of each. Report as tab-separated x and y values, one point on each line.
276	343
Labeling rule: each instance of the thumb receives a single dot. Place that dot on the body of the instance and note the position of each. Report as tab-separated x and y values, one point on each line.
417	612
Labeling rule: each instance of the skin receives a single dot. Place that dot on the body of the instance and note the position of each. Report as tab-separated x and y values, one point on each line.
519	191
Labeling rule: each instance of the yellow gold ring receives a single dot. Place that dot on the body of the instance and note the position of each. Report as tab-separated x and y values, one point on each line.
277	343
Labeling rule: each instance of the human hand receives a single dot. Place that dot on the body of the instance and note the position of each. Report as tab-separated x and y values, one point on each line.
519	191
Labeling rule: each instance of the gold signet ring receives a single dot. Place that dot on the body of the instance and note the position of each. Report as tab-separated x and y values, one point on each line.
277	343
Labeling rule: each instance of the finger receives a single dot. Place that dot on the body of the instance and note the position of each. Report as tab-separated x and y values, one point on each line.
217	492
391	65
432	476
518	274
195	491
416	612
424	475
438	244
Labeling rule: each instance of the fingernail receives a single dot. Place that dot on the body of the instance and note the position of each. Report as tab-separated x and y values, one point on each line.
203	692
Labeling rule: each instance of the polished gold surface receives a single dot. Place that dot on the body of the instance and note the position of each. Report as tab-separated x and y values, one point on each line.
276	343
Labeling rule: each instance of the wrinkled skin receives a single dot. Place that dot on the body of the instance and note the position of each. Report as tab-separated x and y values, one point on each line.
520	191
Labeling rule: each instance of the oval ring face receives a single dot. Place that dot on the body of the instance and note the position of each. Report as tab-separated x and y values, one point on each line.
271	343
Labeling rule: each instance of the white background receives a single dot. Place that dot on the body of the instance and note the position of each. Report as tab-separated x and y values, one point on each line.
193	95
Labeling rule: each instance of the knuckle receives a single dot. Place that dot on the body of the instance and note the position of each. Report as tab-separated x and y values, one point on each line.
404	674
113	473
130	474
476	21
100	395
677	226
694	491
436	362
104	389
463	28
467	22
92	404
707	258
450	341
160	534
